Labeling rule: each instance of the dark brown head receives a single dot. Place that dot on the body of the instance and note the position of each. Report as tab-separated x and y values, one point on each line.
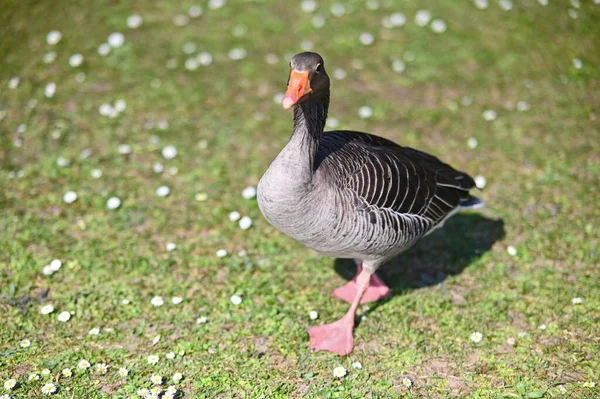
307	79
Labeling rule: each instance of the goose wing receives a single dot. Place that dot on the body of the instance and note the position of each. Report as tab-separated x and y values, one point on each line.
384	176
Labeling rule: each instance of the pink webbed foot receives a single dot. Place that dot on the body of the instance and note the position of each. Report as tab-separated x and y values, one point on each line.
335	337
374	292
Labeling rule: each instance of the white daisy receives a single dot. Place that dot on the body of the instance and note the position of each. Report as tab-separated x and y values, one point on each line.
125	301
33	377
169	152
83	364
480	181
195	11
50	90
171	389
134	21
357	365
481	4
64	316
156	379
201	197
153	359
70	197
76	60
472	143
123	372
204	58
25	343
234	216
94	331
397	19
476	337
163	191
116	39
170	247
237	53
66	372
407	382
5	396
56	264
236	299
438	26
156	390
47	309
142	392
113	203
221	253
422	17
170	355
124	149
53	37
177	377
245	223
49	388
338	9
104	49
489	115
512	251
181	20
542	326
249	192
366	38
398	66
365	112
49	57
176	300
215	4
10	384
574	301
313	315
589	384
45	372
339	372
13	83
318	21
308	6
157	301
102	368
202	320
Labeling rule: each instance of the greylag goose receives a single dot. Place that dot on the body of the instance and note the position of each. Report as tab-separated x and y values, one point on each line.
353	195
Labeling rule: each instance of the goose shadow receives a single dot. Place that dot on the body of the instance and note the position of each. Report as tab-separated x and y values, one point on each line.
445	252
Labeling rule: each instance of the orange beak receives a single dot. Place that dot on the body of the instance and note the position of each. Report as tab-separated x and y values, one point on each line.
298	87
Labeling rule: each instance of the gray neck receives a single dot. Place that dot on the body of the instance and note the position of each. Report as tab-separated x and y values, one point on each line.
309	122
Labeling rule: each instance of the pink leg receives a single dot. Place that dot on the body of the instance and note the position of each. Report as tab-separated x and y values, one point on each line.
375	291
337	337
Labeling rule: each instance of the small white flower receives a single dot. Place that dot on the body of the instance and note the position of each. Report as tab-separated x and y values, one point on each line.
195	11
171	389
70	197
106	109
407	382
309	6
234	216
481	4
512	251
589	384
202	320
221	253
236	299
50	90
338	9
94	331
542	326
113	203
522	106
45	372
237	53
33	377
134	21
577	63
104	49
480	181
53	37
332	123
83	364
156	379
177	377
123	372
47	309
49	388
176	300
25	343
397	19
76	60
422	17
489	115
143	392
5	396
472	143
215	4
153	359
365	112
357	365
125	301
249	192
10	384
102	368
124	149
204	58
116	39
201	197
438	26
543	2
13	83
170	247
49	57
511	341
318	21
155	391
67	372
506	5
64	316
339	372
191	64
245	223
170	355
476	337
163	191
169	152
55	264
63	162
574	301
313	315
398	66
366	38
157	301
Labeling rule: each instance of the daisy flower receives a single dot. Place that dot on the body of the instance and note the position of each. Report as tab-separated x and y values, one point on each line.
156	379
157	301
10	384
171	389
202	320
47	309
123	372
153	359
236	299
476	337
6	396
142	392
94	331
83	364
64	316
177	377
33	377
67	372
177	300
313	315
170	355
574	301
45	372
357	365
339	372
407	382
589	384
102	368
49	388
25	343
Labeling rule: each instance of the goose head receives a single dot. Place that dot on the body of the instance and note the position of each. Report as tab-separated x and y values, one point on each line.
307	79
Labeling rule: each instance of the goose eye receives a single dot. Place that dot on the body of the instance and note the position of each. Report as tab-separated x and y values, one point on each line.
319	68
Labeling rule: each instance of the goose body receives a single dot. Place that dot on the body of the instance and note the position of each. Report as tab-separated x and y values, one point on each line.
352	195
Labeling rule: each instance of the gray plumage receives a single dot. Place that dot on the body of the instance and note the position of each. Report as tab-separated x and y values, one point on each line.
354	195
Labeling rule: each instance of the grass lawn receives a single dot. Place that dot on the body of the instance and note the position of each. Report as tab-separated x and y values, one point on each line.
521	86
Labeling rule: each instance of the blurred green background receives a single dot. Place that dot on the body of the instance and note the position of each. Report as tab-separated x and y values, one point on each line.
506	90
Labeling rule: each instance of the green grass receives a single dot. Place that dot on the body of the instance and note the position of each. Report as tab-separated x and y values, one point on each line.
542	169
